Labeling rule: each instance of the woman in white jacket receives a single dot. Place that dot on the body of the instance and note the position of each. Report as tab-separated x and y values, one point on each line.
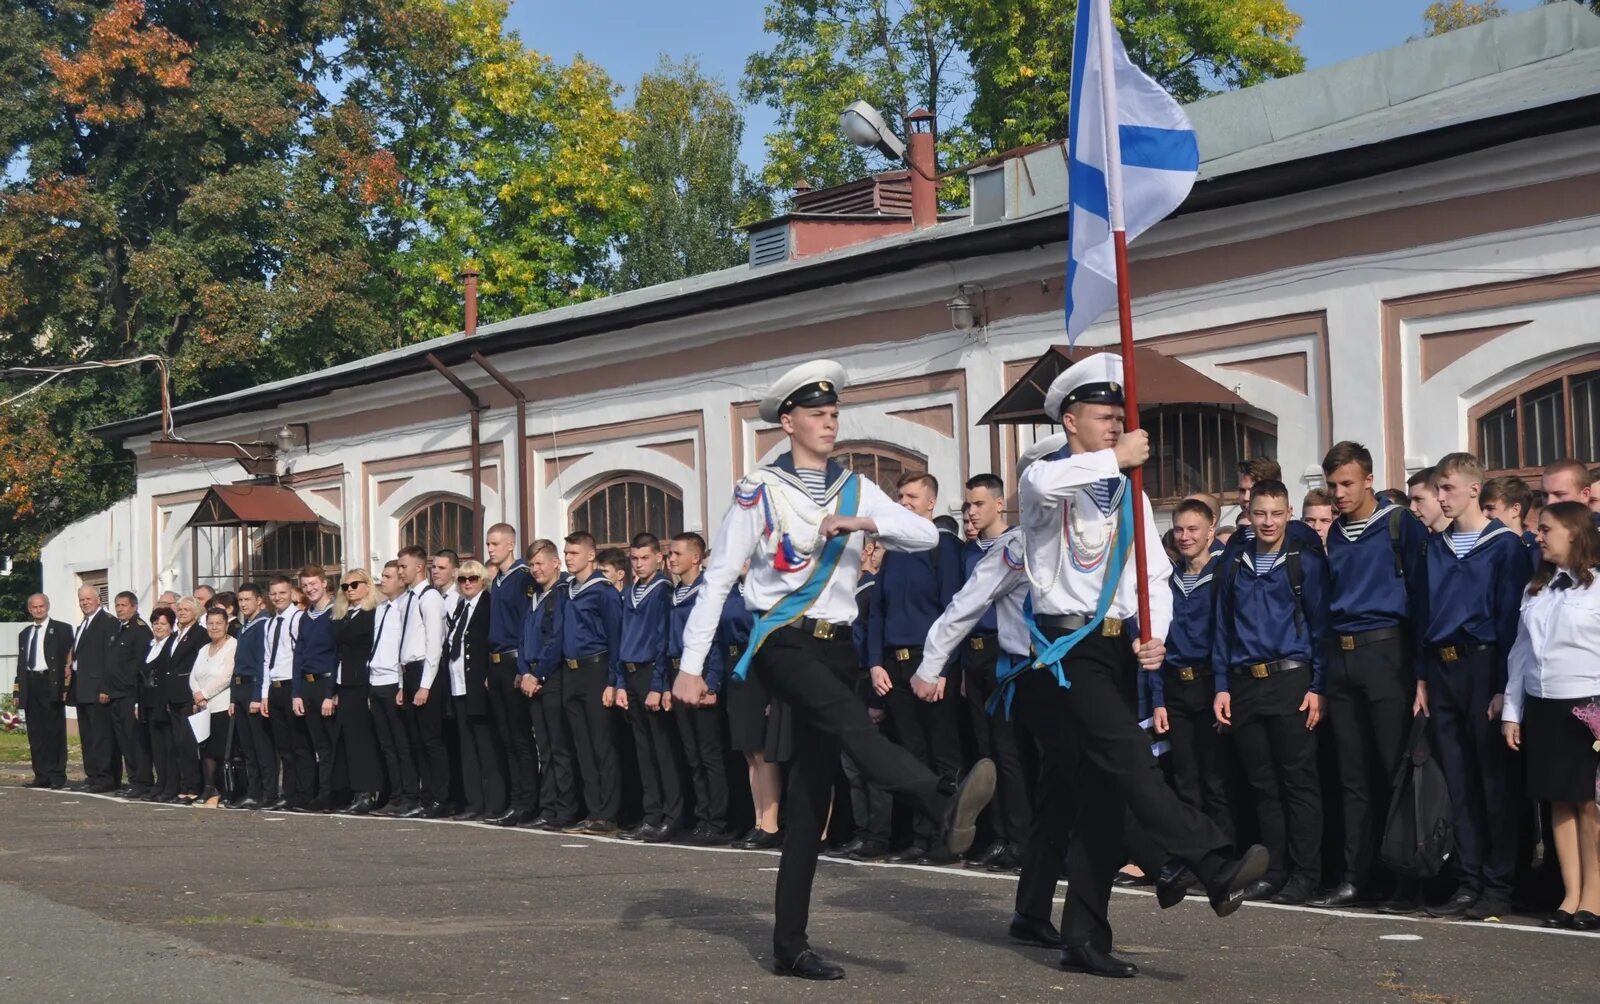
211	680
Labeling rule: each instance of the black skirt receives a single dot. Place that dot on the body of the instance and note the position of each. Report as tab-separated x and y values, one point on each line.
1559	751
756	723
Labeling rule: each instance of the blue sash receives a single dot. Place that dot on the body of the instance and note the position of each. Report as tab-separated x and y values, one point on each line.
1049	654
794	606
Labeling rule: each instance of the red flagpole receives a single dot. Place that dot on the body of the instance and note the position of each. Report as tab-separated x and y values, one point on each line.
1130	397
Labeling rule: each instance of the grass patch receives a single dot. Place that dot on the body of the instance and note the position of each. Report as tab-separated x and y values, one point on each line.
14	749
223	920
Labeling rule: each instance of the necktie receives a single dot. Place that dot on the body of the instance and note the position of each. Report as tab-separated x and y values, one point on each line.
378	634
272	643
458	630
33	637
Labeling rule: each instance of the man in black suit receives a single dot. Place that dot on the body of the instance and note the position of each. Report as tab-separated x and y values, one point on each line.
44	650
90	641
125	654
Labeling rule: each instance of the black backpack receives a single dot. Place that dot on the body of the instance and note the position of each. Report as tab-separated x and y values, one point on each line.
1419	835
1293	545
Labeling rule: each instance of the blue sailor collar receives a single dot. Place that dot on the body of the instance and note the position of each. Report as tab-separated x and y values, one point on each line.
1210	569
835	475
1494	529
574	587
690	593
633	598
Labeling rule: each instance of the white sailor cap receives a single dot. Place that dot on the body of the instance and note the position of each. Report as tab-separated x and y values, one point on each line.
808	385
1093	379
1039	450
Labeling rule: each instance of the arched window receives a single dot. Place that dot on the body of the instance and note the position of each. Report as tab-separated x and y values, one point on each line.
1197	448
287	547
440	522
883	464
627	504
1552	415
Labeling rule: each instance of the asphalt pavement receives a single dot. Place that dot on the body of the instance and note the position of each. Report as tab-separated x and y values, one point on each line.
104	900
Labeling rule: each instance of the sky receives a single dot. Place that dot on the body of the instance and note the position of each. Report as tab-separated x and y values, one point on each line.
626	37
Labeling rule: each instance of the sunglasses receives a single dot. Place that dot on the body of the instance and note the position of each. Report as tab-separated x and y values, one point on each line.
466	578
348	586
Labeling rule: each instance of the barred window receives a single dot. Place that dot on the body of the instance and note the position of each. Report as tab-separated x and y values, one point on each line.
1550	416
287	547
882	464
438	523
1197	448
617	509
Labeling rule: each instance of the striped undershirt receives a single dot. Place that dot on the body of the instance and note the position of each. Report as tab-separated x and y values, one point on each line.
681	593
1102	490
984	543
1265	561
638	591
1463	541
816	483
1188	580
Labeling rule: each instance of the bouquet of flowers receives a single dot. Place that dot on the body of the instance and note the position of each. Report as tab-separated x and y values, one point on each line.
11	720
1589	714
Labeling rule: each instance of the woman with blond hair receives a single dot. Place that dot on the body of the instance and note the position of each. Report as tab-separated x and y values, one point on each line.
357	750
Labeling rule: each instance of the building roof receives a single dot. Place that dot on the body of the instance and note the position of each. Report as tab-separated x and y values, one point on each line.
250	505
1163	380
1528	74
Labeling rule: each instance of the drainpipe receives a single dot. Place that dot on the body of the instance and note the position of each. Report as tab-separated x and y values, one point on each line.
475	406
524	525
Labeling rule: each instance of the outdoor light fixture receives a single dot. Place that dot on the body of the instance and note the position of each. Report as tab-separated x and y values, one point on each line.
864	126
285	440
963	312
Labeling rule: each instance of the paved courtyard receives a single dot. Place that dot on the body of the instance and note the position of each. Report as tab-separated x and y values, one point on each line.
102	900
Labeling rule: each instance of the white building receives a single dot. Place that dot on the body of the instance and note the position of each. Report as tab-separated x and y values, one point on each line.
1403	249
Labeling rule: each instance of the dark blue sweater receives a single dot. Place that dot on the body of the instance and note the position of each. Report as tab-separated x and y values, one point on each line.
317	651
913	590
1255	618
645	626
509	598
1369	594
1476	600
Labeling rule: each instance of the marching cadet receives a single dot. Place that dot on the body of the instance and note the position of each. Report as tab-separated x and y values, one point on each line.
800	522
590	627
1081	690
700	727
510	598
1378	578
540	677
1268	664
252	730
913	588
1477	569
422	627
640	682
1183	692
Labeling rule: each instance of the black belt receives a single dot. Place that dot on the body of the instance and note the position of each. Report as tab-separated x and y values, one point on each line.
979	642
504	655
1189	674
1455	653
1262	670
821	630
243	681
1351	642
1111	627
585	661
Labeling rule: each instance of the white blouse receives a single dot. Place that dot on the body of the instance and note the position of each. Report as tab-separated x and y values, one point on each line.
213	672
1557	652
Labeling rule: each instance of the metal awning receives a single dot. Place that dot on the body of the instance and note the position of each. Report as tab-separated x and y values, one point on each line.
1163	380
251	505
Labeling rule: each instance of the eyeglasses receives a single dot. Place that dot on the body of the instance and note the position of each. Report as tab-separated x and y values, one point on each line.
348	586
466	578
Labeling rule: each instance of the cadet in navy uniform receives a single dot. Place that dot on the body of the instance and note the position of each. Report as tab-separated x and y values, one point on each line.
913	589
1183	692
1268	661
699	726
510	597
540	677
44	649
640	682
1477	569
590	628
316	657
250	728
1070	522
804	553
1378	573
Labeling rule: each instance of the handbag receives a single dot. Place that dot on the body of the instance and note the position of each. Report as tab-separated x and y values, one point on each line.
1419	831
230	771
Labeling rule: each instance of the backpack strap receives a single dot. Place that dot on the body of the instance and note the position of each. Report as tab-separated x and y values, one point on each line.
1394	540
1297	581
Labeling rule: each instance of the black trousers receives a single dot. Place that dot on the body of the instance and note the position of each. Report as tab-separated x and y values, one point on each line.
558	769
815	678
164	755
424	729
399	769
185	749
1094	725
589	724
996	738
655	747
253	736
285	736
1370	692
356	741
510	718
314	740
483	786
700	729
930	730
1476	765
125	728
1199	770
47	729
1279	755
100	766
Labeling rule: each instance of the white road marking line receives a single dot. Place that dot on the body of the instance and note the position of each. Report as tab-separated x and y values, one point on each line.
1399	937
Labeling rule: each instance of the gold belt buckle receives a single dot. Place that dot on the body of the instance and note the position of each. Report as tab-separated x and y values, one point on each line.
1449	654
734	651
572	664
1347	642
494	657
1259	671
1111	627
822	630
676	663
310	677
976	643
902	655
1186	674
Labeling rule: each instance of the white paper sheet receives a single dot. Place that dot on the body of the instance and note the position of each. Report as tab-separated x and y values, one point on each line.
200	722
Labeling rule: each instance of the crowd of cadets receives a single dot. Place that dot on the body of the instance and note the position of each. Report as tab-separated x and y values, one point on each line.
499	692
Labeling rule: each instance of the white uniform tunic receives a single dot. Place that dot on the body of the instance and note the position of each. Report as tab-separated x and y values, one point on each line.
998	578
1067	538
773	502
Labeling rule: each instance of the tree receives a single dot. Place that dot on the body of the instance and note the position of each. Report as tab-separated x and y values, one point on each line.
1448	15
685	155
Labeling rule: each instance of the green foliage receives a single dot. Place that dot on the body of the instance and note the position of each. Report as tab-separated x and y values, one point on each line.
1448	15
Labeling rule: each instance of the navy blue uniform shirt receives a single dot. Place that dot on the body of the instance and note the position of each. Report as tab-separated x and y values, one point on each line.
1189	636
646	620
1255	619
249	659
511	593
971	553
1369	592
717	657
913	590
1476	599
591	621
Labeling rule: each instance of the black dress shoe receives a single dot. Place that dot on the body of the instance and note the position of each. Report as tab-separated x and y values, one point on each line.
1033	931
506	818
982	858
661	833
139	792
1089	959
1455	906
1488	909
247	803
1173	885
1558	918
318	804
1293	893
1261	890
871	850
1126	880
416	812
361	805
1232	879
910	856
749	835
844	850
1401	904
436	810
1583	920
125	792
938	858
1008	860
808	965
36	783
706	835
540	822
635	832
967	802
577	826
467	816
600	828
277	805
1344	894
764	840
